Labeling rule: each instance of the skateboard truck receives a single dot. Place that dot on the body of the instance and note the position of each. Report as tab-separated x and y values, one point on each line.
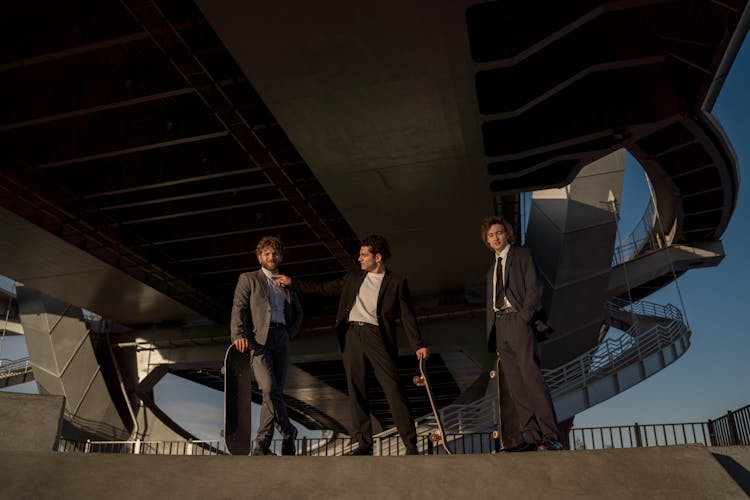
495	433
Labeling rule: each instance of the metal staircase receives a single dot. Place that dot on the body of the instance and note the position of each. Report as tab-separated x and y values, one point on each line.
613	366
15	371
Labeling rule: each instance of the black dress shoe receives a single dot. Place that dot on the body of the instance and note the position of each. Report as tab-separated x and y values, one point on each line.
288	444
552	445
362	451
520	448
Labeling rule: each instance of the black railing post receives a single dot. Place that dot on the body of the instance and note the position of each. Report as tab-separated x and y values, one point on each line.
711	433
638	442
733	438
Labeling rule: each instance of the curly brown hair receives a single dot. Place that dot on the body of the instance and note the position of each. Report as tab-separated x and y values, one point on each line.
488	222
270	241
378	245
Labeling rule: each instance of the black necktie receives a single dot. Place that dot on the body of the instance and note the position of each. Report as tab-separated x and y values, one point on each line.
499	288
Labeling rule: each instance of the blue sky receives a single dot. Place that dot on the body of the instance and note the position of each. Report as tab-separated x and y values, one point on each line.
711	378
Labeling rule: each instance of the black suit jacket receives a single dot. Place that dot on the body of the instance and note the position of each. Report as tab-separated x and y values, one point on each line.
393	301
522	288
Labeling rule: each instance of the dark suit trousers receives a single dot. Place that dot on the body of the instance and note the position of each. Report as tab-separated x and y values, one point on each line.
527	413
270	364
364	342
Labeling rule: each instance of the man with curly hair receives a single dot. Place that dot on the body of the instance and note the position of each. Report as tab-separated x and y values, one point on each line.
265	317
371	300
528	418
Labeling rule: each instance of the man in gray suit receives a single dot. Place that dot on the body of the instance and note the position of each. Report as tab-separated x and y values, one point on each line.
528	420
264	319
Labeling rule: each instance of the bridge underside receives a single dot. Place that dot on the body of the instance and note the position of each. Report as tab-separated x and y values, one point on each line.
145	145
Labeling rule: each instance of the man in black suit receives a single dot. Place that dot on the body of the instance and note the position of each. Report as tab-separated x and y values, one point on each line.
371	300
513	300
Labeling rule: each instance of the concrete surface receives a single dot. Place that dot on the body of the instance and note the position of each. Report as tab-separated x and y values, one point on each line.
736	461
676	472
29	422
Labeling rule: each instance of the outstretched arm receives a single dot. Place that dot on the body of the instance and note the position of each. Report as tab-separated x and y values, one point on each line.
329	288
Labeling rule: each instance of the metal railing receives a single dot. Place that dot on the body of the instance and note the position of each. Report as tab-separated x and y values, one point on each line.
633	436
613	354
471	417
466	443
610	356
645	308
644	238
727	430
731	429
10	367
139	447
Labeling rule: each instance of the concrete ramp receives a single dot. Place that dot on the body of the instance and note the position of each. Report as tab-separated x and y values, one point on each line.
29	422
676	472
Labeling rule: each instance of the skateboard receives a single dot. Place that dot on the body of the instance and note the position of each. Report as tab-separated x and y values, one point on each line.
495	374
237	400
438	436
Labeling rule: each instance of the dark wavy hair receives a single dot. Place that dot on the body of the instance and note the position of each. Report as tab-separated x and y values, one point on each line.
378	245
488	222
270	241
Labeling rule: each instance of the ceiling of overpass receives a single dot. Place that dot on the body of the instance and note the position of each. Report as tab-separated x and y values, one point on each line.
164	138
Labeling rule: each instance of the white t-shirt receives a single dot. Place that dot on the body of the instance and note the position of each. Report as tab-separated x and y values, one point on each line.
366	306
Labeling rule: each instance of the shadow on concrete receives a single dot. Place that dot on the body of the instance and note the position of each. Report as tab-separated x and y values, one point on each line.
739	473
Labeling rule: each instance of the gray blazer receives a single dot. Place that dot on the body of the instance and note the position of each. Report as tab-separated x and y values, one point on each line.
251	309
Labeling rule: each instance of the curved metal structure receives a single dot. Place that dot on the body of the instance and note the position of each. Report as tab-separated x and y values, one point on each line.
146	145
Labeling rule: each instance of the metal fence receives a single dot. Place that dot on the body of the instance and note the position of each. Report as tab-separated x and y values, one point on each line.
466	443
633	436
731	429
139	447
10	367
727	430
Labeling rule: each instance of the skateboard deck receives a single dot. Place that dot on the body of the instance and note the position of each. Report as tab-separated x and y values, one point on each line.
495	375
438	436
237	401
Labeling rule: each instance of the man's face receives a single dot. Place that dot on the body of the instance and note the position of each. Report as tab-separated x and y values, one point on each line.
270	258
497	238
367	260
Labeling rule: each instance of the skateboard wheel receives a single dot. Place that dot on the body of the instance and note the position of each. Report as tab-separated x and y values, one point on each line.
495	435
418	381
493	374
223	370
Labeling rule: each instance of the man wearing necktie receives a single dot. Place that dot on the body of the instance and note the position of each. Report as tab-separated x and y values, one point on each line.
528	419
264	319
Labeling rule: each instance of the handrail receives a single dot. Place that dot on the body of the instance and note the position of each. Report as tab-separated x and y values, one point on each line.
645	308
602	360
10	367
613	354
641	240
733	428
